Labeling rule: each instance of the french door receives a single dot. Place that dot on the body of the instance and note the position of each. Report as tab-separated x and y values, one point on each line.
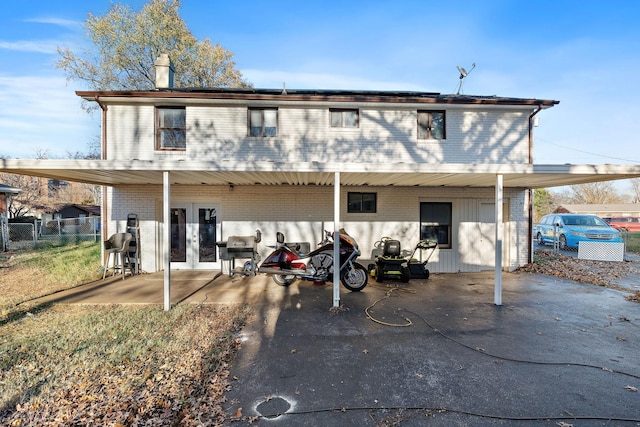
195	228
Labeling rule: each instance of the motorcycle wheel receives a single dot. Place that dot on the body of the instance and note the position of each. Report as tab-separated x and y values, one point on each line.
284	279
356	279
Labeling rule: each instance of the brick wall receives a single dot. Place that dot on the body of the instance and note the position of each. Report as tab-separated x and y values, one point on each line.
303	212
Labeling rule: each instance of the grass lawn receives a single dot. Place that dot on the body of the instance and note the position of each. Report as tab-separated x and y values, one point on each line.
98	365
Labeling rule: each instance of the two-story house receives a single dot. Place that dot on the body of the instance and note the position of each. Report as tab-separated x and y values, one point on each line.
197	165
278	146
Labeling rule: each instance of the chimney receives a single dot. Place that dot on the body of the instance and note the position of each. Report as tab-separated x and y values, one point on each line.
164	72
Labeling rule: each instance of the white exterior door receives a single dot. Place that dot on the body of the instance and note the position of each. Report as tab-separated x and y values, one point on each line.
194	231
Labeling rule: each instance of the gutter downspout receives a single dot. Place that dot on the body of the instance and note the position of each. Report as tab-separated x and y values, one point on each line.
103	143
530	191
103	156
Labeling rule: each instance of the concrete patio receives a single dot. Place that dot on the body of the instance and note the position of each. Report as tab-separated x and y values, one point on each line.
186	286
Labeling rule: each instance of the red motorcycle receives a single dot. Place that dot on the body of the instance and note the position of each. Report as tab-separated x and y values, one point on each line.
286	264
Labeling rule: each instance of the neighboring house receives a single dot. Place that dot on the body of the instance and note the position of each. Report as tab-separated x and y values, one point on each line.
41	195
76	211
72	218
602	210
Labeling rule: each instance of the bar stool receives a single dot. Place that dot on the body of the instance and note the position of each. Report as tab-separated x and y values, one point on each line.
118	246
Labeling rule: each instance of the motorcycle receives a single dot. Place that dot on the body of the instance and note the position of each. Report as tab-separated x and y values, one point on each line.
286	264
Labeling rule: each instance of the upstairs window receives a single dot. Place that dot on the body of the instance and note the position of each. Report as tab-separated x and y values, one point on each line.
263	121
342	118
431	125
171	128
361	202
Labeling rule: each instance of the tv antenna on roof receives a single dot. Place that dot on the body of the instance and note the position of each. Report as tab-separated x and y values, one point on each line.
464	73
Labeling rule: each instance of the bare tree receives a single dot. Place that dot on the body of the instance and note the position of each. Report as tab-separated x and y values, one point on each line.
635	190
125	45
30	197
46	195
595	193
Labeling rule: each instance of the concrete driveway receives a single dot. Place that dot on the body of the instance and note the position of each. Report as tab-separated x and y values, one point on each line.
433	352
440	353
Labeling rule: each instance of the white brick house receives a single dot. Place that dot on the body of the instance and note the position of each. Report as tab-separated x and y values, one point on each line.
362	131
199	165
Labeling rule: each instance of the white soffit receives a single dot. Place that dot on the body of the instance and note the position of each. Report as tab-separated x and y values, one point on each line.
107	172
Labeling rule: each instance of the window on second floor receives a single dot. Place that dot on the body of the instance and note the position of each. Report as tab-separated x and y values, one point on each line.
344	118
171	128
263	122
431	125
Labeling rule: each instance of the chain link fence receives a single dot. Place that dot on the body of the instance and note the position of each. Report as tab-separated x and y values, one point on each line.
4	232
23	235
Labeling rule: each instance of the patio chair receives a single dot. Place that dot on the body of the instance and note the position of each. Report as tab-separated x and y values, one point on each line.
118	246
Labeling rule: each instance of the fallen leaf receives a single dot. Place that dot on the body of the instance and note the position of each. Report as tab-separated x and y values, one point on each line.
239	413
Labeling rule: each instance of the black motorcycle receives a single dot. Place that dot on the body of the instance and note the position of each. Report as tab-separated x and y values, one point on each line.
286	264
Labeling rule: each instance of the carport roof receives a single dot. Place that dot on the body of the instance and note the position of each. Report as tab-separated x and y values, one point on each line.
6	189
186	172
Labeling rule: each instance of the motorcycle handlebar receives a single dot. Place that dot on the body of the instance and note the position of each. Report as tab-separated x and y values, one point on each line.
328	236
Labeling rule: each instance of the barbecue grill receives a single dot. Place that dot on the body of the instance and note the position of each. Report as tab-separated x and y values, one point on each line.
241	247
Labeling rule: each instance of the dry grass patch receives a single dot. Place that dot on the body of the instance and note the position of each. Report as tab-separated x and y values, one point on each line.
93	365
46	269
106	365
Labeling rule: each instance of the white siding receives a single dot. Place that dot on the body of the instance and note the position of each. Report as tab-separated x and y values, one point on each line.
304	135
130	132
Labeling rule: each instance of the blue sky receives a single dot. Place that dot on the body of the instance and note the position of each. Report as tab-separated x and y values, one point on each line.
585	54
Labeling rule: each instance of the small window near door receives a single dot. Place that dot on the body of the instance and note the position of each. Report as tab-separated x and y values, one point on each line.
361	202
435	222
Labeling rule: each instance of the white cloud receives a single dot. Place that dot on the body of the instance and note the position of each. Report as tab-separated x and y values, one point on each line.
42	113
39	46
67	23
